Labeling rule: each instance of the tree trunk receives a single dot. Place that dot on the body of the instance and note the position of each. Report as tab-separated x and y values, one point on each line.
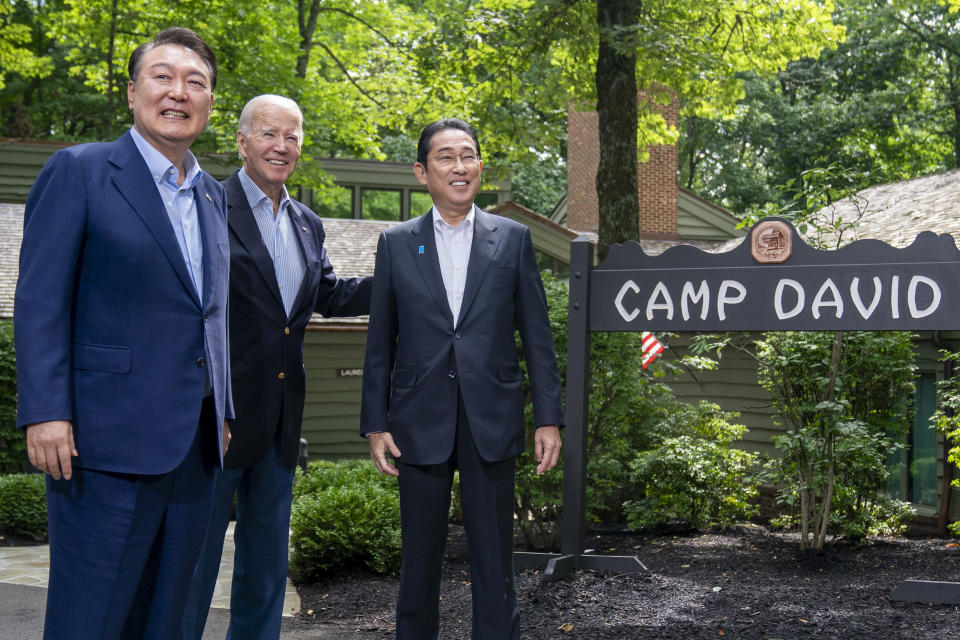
111	51
830	424
307	25
617	118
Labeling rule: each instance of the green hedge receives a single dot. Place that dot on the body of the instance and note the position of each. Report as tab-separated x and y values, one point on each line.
345	515
23	506
13	444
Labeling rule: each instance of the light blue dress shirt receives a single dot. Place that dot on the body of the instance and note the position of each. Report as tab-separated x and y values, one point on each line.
180	204
279	237
181	208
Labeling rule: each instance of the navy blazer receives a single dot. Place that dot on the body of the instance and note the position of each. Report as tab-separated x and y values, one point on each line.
266	346
419	358
109	330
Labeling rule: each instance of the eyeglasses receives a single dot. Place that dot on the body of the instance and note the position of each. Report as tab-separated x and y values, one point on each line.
449	160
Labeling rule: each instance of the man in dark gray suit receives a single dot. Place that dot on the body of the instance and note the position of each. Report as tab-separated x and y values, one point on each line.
442	385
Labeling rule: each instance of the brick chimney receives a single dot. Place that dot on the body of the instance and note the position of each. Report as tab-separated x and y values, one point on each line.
656	178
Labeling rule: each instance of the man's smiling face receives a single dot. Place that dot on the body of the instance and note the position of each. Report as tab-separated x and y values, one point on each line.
271	149
171	98
452	172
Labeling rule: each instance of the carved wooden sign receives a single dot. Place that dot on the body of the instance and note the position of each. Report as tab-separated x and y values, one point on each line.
774	281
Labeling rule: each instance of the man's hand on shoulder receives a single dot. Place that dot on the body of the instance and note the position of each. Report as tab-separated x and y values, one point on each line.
380	443
546	448
50	446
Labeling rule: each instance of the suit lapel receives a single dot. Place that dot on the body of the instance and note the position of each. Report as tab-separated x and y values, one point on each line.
244	226
210	238
131	177
309	250
423	249
484	247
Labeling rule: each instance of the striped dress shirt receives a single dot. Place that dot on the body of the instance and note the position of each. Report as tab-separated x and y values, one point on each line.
279	237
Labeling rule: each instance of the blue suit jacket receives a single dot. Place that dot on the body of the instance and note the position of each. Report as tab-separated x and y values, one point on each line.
266	346
418	354
109	330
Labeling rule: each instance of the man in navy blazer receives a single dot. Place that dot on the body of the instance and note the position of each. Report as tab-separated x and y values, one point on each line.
122	356
279	275
442	382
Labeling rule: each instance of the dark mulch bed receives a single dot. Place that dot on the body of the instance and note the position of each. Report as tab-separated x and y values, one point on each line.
739	584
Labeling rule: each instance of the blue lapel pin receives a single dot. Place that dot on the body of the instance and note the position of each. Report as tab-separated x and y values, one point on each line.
420	249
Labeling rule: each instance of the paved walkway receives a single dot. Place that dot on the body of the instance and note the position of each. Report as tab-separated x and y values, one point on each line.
29	566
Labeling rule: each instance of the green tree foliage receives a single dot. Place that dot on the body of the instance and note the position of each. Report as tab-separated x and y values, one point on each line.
15	53
844	399
516	64
349	64
946	419
13	446
881	106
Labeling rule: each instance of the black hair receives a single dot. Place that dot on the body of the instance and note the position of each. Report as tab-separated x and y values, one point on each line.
183	37
432	129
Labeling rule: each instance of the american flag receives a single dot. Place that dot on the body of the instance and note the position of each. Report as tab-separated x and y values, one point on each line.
651	347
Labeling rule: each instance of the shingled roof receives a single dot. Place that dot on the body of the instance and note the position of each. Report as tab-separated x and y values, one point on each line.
897	211
11	233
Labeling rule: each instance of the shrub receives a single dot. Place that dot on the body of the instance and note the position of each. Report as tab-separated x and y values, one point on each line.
13	444
23	505
345	515
694	478
946	419
629	407
843	397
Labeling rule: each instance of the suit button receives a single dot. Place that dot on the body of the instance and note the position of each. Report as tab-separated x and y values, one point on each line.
286	330
451	374
206	317
281	375
457	335
201	362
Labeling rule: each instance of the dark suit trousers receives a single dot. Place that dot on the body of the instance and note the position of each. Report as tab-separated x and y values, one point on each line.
487	490
123	547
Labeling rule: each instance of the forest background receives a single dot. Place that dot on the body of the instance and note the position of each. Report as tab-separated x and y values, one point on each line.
768	89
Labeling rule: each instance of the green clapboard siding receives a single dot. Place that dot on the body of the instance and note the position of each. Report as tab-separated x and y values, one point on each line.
331	412
733	386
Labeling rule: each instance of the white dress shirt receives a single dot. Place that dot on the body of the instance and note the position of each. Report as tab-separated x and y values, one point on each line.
453	252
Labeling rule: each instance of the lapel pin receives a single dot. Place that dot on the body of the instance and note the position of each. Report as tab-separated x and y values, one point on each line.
304	228
209	199
420	249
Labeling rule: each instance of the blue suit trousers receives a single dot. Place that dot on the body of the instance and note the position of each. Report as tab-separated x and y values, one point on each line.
261	541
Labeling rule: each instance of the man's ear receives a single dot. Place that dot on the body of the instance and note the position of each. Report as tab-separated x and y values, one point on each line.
420	171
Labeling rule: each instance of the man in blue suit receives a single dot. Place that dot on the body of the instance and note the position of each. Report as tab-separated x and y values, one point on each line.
442	386
122	357
279	275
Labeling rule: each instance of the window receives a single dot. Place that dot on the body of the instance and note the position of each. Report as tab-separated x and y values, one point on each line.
380	204
913	472
336	203
420	203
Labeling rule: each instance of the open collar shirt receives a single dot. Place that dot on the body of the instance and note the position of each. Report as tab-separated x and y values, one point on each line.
453	252
279	237
179	202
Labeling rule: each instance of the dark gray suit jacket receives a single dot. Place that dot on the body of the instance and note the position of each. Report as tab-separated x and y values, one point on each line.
419	358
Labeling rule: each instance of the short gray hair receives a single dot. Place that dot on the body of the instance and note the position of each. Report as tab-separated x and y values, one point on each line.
245	124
